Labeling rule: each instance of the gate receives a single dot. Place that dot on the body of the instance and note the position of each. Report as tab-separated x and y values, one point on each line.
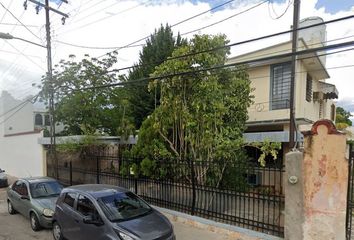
350	197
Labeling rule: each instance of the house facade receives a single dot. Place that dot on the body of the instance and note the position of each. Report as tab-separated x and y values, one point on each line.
22	124
270	79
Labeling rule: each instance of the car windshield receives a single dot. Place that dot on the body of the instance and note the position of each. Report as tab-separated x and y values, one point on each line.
45	189
123	206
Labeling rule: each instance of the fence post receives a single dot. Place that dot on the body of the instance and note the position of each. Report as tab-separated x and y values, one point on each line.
136	178
193	186
98	170
71	173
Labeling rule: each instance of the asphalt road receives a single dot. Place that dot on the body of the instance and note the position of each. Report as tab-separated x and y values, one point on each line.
17	227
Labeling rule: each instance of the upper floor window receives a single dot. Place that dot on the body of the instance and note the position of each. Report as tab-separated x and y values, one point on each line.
308	88
38	120
280	86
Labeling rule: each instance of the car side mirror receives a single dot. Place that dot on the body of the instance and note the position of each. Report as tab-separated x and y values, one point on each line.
89	220
25	197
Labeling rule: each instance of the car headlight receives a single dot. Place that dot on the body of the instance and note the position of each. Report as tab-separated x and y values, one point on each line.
125	236
48	212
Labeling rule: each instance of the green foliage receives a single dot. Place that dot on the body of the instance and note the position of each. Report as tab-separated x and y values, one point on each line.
266	148
157	49
93	110
74	145
343	118
148	167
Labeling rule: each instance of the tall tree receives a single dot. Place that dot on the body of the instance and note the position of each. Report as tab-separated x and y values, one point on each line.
201	115
91	110
343	118
157	49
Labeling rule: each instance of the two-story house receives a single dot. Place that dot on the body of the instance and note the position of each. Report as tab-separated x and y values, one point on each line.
269	114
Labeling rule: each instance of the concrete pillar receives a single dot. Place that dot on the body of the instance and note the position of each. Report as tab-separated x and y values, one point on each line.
316	186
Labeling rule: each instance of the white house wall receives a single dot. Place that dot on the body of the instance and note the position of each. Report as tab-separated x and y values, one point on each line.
22	156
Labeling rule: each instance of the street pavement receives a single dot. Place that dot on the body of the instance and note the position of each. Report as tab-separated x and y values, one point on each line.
17	227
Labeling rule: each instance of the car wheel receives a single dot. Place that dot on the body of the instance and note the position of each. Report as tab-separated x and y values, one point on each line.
57	232
10	208
34	222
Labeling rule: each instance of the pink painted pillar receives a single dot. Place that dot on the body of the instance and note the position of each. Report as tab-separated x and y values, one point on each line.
325	179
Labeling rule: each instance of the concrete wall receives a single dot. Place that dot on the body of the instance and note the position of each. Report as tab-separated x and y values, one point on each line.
316	186
22	156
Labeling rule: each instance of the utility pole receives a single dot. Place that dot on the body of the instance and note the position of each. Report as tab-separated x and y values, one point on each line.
50	80
292	127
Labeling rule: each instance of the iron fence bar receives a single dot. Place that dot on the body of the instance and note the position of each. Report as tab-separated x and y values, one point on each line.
349	194
71	173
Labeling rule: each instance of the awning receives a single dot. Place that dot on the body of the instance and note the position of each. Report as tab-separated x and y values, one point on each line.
329	90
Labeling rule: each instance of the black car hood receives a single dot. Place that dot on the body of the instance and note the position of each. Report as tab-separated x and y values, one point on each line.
151	226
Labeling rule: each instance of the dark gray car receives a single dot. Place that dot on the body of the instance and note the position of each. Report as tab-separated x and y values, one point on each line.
35	199
105	212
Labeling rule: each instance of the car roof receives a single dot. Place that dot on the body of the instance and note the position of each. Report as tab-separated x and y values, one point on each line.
96	190
37	179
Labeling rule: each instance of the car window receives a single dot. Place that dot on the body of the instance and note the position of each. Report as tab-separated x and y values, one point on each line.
85	206
45	189
16	186
123	206
23	189
69	199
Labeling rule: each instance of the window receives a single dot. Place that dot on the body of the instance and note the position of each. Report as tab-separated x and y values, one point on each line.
70	199
85	206
21	188
38	120
280	86
333	112
308	88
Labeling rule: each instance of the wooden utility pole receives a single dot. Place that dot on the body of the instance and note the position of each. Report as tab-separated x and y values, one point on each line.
50	77
292	128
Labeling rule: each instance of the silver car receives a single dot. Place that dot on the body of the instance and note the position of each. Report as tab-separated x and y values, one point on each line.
35	199
105	212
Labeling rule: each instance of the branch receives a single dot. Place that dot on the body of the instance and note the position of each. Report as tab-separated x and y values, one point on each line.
169	142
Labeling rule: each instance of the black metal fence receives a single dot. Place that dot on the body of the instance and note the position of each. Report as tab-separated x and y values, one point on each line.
234	192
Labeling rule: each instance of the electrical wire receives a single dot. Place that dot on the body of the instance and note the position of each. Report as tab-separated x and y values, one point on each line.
270	3
104	18
216	67
173	25
29	30
92	47
4	15
238	43
225	19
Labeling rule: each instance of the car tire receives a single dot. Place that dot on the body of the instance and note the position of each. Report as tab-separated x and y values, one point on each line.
57	234
10	208
35	225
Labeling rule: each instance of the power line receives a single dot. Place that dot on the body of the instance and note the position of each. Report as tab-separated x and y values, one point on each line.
92	47
20	21
237	43
4	15
281	15
216	67
225	19
104	18
18	25
173	25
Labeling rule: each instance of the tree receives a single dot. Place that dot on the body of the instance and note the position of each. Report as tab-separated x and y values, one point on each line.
343	118
201	115
91	110
156	50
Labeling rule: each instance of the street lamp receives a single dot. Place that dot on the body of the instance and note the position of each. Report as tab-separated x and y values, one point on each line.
8	36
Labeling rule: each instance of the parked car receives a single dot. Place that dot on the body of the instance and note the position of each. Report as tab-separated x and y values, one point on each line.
3	179
35	199
105	212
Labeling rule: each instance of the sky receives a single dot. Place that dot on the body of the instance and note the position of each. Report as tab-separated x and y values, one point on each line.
115	23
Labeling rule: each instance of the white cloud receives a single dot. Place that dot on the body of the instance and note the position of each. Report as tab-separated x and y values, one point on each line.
124	28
